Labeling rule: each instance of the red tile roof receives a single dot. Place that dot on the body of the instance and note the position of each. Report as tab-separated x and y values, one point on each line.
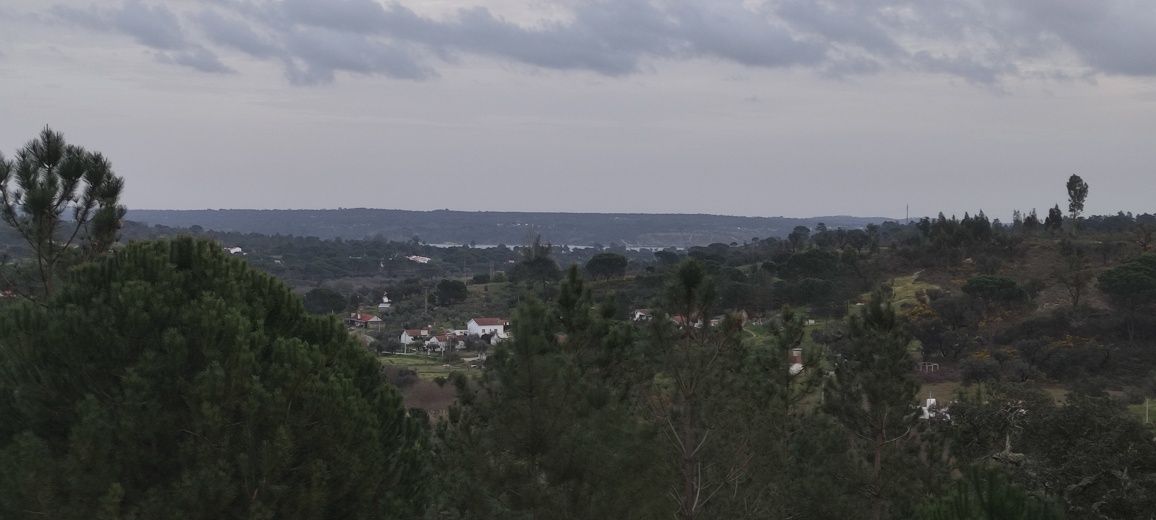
489	322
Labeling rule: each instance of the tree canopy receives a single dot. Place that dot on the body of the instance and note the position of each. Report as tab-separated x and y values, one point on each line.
606	265
172	381
450	292
323	300
1077	194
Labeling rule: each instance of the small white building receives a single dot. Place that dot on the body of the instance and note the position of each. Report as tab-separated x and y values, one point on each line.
932	409
409	336
385	303
234	251
418	259
443	342
482	326
642	315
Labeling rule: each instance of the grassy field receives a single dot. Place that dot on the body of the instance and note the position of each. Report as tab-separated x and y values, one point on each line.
1138	409
905	290
946	390
428	368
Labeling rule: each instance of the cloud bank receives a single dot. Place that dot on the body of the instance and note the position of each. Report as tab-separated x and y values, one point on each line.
316	41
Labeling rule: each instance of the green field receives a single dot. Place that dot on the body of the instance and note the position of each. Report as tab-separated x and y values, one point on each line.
905	290
426	367
1138	409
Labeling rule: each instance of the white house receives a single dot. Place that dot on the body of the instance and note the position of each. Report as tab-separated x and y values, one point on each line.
235	250
442	343
409	336
642	315
482	326
385	303
418	259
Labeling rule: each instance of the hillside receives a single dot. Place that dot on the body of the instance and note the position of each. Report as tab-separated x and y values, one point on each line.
464	227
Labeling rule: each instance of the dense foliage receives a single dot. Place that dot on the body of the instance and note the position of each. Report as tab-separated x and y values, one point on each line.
170	381
773	379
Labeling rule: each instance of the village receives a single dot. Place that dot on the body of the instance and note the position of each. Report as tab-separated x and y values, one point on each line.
478	334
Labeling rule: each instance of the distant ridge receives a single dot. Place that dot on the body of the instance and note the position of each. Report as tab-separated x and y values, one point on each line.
497	227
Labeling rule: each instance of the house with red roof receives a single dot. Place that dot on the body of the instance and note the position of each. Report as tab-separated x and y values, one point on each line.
484	326
365	321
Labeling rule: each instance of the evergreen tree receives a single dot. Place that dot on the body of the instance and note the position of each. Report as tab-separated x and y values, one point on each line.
710	403
872	393
1131	288
1077	194
1032	221
606	265
1055	219
537	266
64	196
172	381
541	435
323	300
450	292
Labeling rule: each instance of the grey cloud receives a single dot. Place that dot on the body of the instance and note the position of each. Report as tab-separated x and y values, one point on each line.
236	34
729	31
967	67
982	41
314	55
196	57
1112	36
613	38
363	16
555	46
856	23
152	25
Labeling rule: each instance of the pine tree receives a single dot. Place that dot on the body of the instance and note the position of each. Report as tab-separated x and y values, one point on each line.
172	381
545	433
64	205
1077	195
873	390
1055	219
701	399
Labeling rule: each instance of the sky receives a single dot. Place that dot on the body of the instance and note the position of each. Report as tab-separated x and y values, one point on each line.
741	107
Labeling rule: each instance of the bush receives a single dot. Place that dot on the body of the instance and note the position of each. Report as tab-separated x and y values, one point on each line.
988	265
994	289
978	368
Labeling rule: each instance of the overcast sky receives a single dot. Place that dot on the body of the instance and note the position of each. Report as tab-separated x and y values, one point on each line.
790	107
